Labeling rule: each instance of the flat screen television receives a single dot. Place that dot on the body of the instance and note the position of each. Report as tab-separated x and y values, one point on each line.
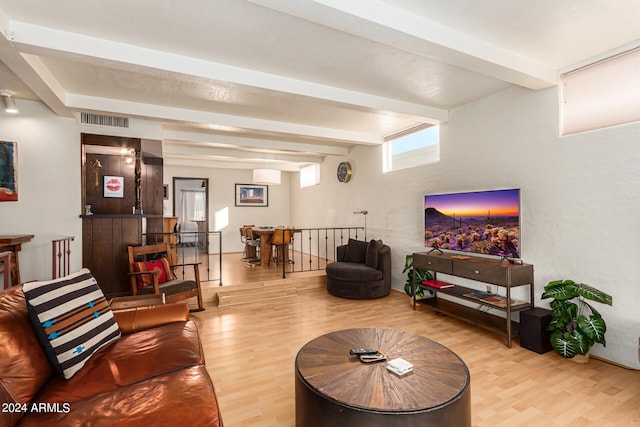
482	222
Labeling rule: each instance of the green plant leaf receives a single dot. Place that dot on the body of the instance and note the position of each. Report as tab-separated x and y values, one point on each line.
582	341
422	275
594	327
407	289
555	283
593	294
408	263
592	308
559	325
418	274
563	313
562	291
571	310
564	344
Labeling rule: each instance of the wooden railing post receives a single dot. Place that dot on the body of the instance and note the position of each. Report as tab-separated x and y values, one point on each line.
61	257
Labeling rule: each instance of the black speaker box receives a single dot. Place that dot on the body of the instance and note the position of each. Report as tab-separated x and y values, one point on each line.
533	330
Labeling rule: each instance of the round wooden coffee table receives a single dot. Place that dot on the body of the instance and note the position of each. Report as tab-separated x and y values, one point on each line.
335	388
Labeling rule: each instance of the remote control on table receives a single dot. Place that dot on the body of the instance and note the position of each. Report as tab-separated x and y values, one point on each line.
361	351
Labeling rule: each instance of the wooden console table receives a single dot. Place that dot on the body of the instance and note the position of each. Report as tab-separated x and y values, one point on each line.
14	244
486	270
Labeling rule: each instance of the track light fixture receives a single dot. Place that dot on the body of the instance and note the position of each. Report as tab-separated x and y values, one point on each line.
9	103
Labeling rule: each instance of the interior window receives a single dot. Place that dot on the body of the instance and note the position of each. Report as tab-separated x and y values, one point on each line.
310	175
417	146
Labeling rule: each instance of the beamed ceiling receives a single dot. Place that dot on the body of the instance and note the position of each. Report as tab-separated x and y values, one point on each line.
233	82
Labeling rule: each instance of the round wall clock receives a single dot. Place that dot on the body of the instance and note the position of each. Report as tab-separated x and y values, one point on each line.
344	172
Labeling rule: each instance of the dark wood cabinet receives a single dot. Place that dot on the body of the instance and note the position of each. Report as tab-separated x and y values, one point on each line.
105	239
489	271
113	225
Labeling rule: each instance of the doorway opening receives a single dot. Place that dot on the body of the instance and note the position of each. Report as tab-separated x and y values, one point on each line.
191	207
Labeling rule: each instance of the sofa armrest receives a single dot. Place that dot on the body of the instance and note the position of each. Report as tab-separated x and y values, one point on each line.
140	318
341	253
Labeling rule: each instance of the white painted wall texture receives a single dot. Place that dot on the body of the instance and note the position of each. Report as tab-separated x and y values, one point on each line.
580	198
49	194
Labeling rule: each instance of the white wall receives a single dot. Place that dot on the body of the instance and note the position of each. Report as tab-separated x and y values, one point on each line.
580	198
222	202
49	194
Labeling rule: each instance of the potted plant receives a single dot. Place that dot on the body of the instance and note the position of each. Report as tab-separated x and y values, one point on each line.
414	274
575	324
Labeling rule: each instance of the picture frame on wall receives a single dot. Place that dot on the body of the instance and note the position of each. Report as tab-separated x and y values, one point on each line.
252	195
8	171
114	186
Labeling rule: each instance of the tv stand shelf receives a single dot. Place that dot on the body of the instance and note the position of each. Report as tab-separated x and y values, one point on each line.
495	272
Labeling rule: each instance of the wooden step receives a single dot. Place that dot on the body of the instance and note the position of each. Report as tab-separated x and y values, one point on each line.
260	291
250	294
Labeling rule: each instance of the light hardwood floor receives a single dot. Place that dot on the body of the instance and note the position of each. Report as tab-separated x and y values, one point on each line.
250	351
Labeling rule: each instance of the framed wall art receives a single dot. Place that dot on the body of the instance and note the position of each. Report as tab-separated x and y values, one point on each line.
252	195
114	186
8	171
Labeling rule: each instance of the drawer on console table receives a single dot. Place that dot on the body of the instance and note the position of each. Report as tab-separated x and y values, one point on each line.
437	263
496	273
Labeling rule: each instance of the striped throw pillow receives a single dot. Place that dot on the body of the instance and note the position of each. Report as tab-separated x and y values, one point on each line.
161	264
72	319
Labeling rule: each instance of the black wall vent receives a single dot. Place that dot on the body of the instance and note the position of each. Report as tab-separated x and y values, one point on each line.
104	120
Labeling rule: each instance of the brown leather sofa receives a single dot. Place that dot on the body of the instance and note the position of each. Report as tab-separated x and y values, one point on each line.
153	375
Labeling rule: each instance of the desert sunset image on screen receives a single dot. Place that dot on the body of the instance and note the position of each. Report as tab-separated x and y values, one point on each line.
484	222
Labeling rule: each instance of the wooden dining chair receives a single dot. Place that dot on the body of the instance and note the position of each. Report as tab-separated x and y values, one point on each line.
243	240
151	273
281	239
252	246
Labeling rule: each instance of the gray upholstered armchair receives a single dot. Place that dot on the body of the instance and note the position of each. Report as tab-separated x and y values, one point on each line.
362	270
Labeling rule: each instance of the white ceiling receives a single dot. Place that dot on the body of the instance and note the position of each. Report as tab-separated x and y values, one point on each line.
235	82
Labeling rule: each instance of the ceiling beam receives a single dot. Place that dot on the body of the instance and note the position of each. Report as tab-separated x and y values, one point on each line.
221	141
29	36
233	163
32	74
204	151
378	21
222	121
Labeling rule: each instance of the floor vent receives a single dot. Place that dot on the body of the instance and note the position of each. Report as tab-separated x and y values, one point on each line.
104	120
